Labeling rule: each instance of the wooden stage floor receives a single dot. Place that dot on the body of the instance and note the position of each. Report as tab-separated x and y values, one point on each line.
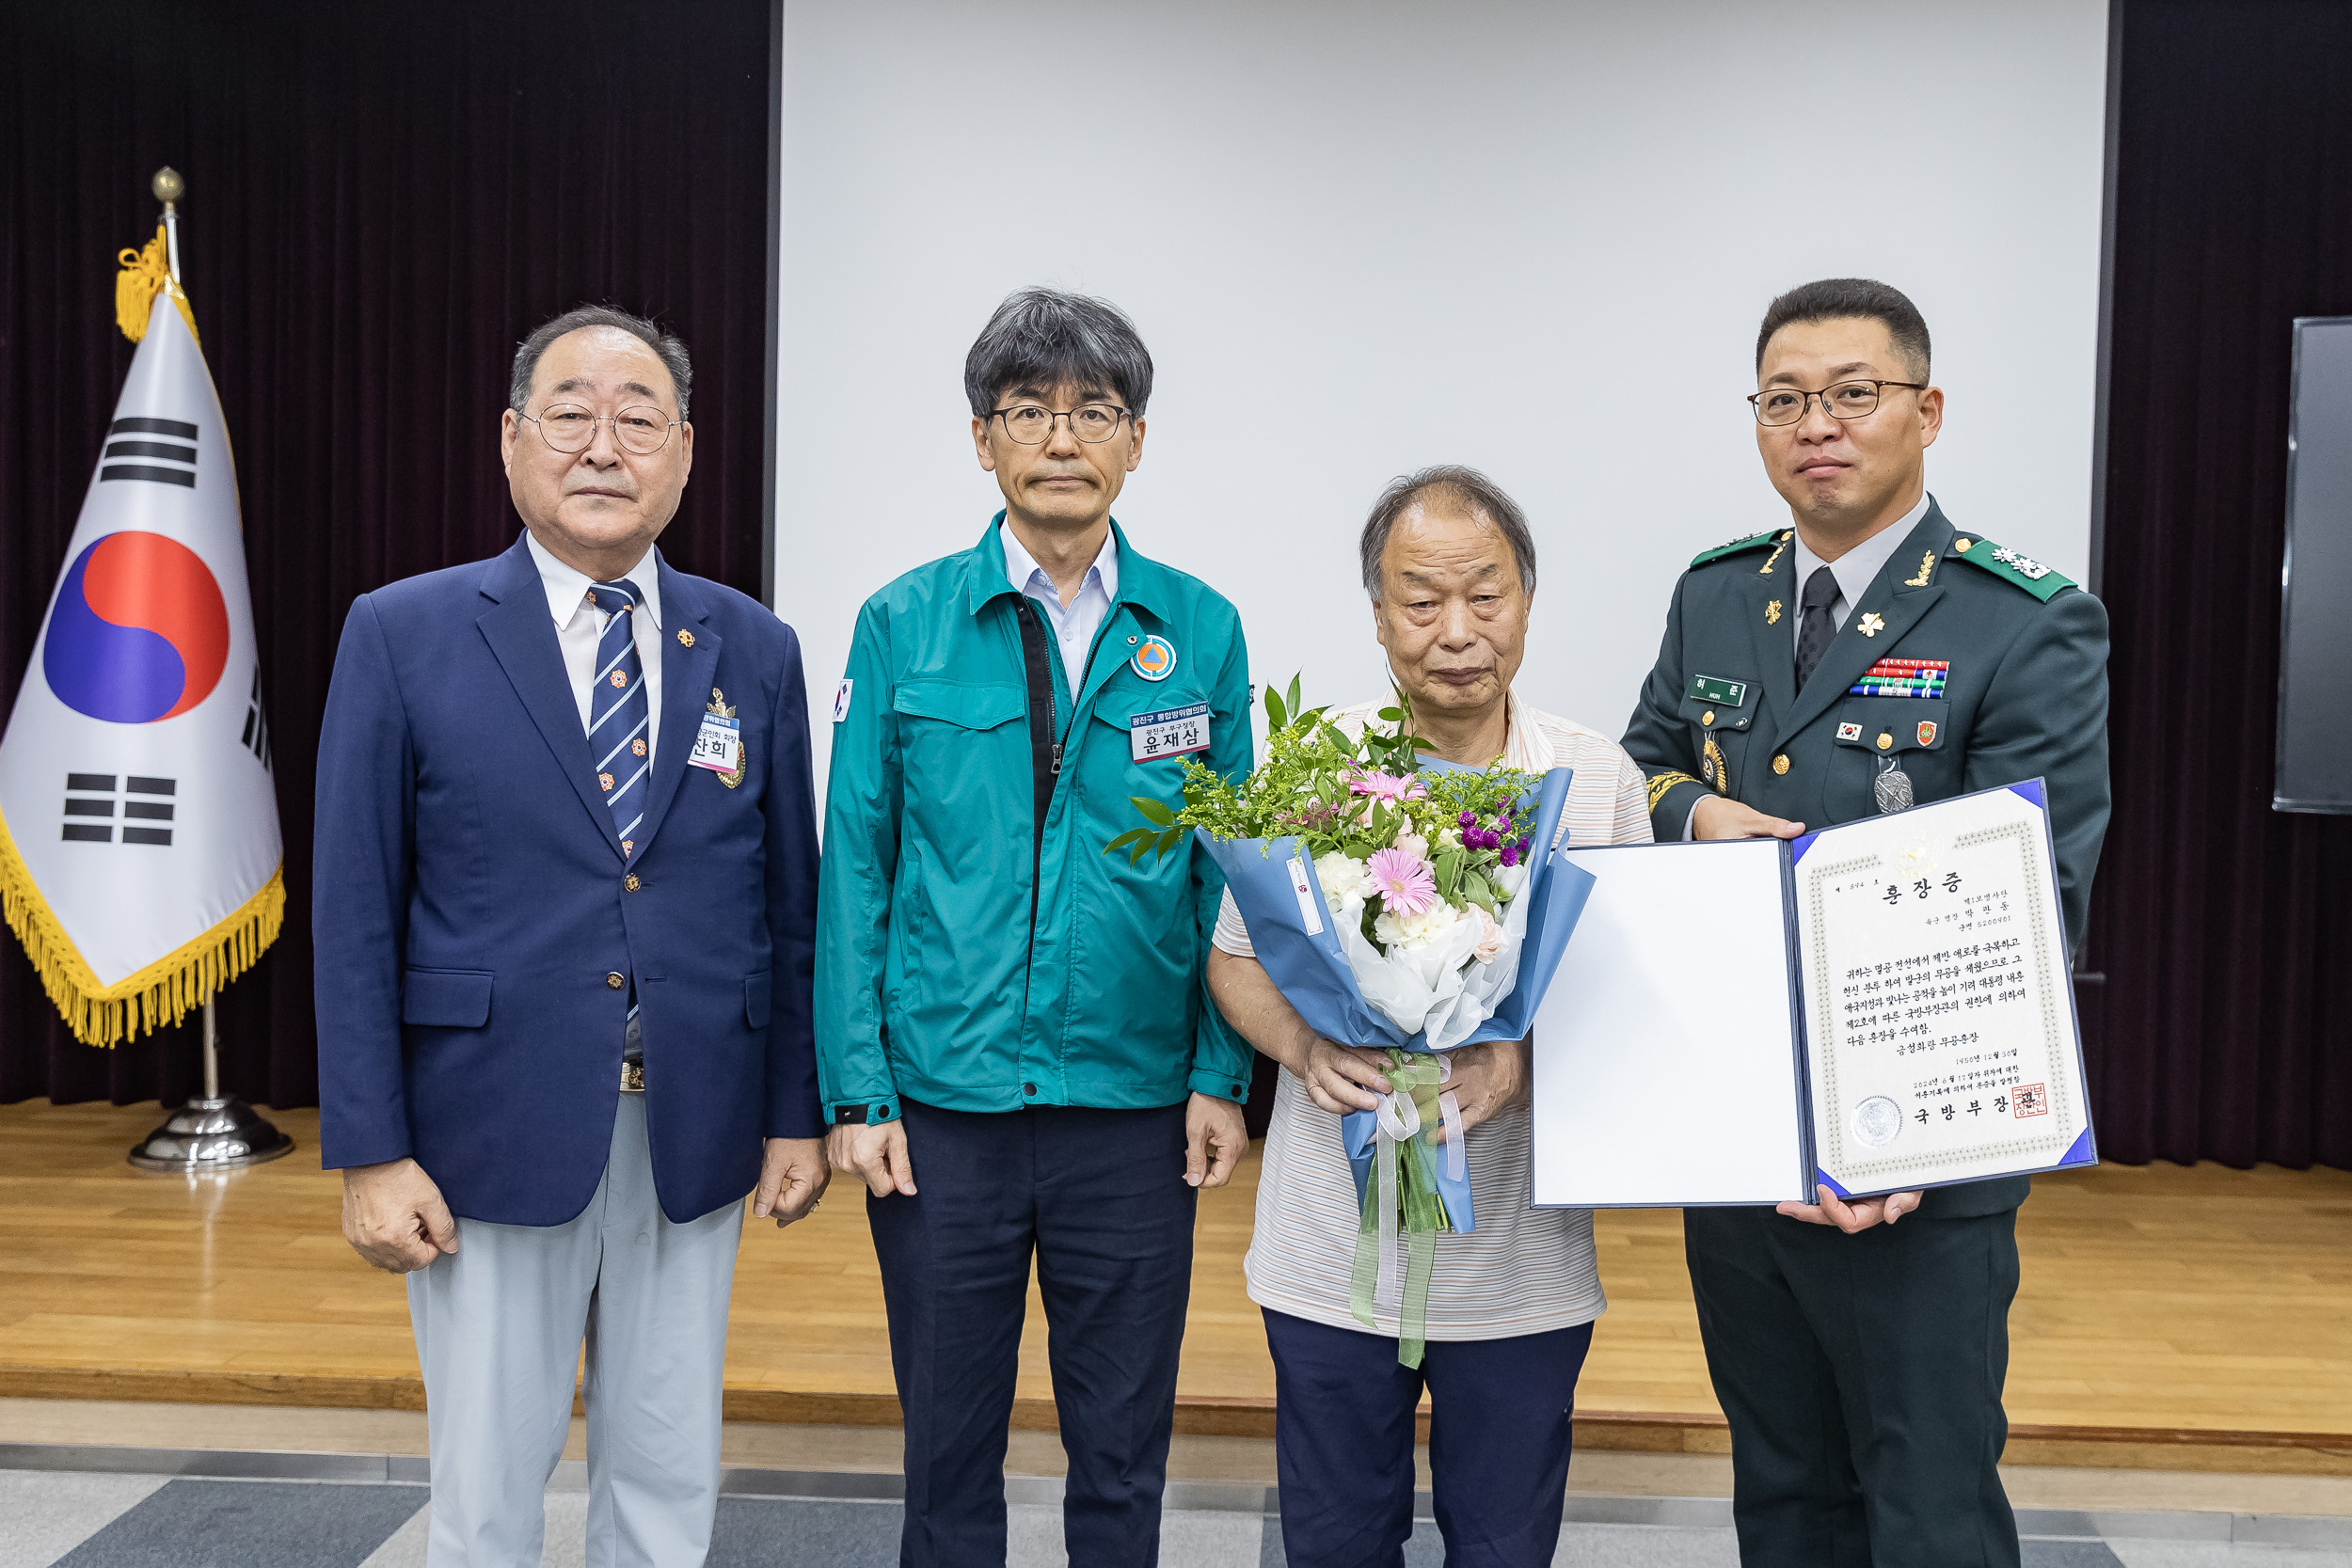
2171	1318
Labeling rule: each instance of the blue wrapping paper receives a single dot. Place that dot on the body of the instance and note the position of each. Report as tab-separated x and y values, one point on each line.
1310	969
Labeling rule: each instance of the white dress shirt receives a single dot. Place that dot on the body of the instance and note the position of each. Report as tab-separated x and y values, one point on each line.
1075	624
579	626
1853	570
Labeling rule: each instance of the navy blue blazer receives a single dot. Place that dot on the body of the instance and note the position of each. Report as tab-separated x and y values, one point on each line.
471	903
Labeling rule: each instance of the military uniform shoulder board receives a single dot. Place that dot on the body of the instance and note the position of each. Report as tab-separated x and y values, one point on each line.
1753	542
2023	571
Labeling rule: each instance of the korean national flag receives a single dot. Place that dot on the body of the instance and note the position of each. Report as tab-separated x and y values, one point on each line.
139	853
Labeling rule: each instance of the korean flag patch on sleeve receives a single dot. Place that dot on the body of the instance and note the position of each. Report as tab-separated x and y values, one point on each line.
841	700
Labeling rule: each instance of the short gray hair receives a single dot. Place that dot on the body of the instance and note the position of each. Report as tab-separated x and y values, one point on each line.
1465	488
667	347
1045	337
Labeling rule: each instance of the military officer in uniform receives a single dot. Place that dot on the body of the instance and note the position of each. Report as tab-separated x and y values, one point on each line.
1868	657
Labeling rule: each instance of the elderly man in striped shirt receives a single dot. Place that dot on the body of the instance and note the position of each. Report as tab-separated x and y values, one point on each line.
1451	569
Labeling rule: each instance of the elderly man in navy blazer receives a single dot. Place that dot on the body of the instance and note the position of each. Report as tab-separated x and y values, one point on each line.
566	892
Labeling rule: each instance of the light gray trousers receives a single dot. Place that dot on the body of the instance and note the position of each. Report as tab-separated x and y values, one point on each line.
499	1331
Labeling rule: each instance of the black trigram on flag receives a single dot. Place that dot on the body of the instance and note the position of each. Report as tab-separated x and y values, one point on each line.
93	803
135	439
257	723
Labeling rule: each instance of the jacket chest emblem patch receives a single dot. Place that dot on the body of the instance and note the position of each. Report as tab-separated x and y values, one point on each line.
1156	660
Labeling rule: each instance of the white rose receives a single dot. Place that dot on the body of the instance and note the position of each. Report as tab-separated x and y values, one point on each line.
1347	881
1489	936
1449	838
1409	931
1413	844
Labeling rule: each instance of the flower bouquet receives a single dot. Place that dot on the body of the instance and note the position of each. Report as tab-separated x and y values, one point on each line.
1401	905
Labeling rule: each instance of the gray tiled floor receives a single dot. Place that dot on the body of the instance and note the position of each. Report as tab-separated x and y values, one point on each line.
109	1521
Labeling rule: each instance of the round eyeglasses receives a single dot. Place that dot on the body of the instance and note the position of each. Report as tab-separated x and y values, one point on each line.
1032	426
1847	400
568	427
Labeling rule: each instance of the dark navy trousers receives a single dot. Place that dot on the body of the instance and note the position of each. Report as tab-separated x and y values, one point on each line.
1099	1198
1501	1413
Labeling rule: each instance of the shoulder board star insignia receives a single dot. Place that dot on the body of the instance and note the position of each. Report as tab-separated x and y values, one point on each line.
2017	569
1753	542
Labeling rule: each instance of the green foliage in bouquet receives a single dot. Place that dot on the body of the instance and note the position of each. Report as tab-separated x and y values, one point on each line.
1316	784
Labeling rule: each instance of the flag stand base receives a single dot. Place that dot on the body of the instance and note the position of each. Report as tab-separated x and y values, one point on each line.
220	1134
212	1130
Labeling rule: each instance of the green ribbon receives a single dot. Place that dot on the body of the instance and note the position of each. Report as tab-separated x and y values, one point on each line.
1401	1188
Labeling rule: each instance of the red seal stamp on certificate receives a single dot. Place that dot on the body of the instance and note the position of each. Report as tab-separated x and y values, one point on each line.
2031	1099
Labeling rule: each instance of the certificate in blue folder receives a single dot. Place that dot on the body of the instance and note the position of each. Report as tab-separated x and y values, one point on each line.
1880	1005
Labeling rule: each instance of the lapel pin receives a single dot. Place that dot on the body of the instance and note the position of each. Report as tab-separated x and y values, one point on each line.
1771	614
1872	623
685	637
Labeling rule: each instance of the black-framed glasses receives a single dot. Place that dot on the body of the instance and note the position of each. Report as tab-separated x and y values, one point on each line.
1032	424
568	427
1847	400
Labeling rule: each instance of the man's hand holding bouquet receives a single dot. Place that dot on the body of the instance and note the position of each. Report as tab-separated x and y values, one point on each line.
1402	905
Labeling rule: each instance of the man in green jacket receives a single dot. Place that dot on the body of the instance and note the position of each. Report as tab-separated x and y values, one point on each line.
1864	656
1000	1006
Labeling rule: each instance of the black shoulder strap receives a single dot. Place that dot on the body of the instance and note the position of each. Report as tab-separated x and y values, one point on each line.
1044	754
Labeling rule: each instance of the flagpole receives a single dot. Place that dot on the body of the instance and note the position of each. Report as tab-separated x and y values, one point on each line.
214	1132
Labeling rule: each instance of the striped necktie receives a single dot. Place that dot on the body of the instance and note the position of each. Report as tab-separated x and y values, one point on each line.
618	717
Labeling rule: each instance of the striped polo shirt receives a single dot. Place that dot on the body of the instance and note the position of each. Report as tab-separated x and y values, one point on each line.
1522	1270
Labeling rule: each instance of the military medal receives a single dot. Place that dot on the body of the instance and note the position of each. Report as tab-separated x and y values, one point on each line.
1892	786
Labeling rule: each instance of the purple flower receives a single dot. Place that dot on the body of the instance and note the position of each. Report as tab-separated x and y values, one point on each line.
1468	820
1510	856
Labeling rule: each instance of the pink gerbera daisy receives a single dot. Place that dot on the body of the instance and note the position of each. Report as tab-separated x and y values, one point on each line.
1387	787
1406	884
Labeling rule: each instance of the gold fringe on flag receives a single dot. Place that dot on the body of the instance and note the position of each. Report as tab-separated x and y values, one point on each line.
144	274
167	991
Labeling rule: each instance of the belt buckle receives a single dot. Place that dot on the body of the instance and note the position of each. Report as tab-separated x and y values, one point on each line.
632	1078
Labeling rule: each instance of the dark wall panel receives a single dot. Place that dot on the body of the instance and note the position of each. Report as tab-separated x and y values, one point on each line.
381	201
2222	1031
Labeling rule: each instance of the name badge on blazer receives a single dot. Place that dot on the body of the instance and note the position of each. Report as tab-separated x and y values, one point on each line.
718	744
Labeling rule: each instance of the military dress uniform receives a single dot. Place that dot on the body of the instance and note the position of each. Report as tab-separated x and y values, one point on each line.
1862	1375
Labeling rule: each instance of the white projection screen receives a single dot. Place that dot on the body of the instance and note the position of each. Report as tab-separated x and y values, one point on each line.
1535	236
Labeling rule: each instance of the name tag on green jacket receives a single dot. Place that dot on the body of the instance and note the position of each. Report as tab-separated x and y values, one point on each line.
1714	688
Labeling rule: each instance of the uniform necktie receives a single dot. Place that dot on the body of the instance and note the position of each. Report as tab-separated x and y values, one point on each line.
1816	631
618	723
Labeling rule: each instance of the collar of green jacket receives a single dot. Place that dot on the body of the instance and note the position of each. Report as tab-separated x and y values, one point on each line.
1146	584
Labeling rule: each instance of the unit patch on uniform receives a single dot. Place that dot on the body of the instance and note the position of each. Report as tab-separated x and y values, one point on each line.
1927	732
1156	660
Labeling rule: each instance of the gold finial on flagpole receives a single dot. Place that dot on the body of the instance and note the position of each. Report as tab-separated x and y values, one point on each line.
170	189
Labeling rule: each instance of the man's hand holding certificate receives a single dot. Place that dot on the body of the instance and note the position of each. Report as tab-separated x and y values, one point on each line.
1877	1007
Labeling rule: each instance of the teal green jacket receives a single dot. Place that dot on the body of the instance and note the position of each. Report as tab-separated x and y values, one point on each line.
2027	698
959	960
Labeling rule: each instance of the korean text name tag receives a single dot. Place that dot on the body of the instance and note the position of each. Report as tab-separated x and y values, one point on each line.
1172	733
718	745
